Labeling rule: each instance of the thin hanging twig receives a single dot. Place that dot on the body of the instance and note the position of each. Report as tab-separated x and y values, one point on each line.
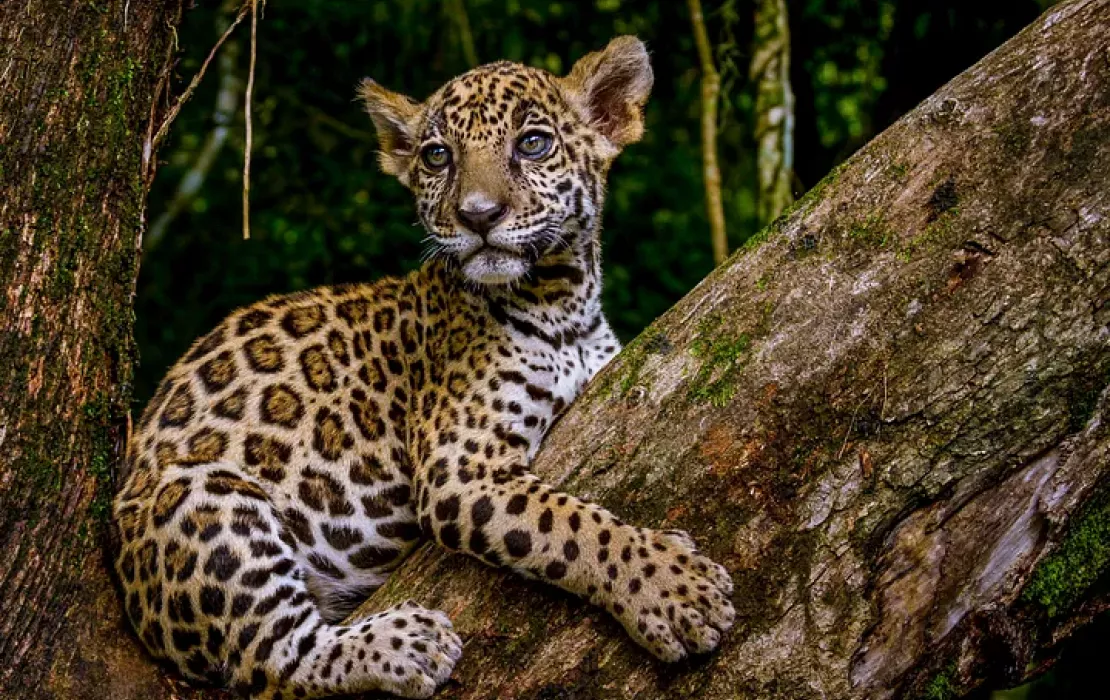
711	172
180	102
227	102
250	129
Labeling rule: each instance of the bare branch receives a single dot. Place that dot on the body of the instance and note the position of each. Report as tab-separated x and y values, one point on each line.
180	102
249	123
227	101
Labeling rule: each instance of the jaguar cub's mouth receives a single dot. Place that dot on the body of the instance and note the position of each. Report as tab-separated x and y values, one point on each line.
494	266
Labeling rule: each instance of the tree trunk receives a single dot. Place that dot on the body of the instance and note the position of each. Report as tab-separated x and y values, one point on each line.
78	87
889	417
774	109
710	101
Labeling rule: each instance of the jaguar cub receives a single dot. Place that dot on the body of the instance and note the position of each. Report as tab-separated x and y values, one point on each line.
297	453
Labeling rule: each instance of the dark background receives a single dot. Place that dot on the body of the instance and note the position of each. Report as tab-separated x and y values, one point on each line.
323	214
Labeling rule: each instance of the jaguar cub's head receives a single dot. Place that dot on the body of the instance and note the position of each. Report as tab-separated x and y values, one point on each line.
508	162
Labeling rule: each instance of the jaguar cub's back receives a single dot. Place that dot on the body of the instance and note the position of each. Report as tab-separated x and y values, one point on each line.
307	394
298	452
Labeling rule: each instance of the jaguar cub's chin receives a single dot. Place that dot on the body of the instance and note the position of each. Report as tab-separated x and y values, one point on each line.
495	266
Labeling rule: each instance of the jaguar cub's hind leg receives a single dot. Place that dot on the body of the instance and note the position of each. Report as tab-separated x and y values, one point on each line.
215	585
406	650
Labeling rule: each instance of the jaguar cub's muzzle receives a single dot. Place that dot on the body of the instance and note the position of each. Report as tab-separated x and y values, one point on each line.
493	245
502	256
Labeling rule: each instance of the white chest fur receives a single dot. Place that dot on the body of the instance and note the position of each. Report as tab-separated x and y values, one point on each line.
545	380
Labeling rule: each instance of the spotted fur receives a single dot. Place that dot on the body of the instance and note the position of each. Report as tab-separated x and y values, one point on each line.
302	449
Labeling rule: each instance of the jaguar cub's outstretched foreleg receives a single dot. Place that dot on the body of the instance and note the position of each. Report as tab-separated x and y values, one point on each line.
670	598
215	585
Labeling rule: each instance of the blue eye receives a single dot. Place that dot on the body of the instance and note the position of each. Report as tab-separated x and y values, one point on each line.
436	156
534	145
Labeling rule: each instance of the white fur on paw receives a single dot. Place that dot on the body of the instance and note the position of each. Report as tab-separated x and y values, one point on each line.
414	649
677	601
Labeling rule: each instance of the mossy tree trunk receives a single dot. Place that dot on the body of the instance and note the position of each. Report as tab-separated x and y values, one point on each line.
889	417
79	85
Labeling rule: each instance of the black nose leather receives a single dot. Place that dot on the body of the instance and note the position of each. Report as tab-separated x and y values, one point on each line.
480	221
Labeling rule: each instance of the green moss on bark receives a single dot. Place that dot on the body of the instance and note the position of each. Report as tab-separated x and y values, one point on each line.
871	232
941	229
722	356
1084	400
1081	558
942	686
1015	137
99	419
636	355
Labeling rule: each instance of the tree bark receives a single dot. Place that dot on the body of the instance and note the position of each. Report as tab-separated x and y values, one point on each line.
78	89
889	417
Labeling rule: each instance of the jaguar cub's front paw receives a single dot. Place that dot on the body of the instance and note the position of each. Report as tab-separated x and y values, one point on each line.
415	649
670	598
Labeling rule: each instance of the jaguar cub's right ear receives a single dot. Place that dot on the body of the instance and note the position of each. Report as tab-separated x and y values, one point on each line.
394	116
611	86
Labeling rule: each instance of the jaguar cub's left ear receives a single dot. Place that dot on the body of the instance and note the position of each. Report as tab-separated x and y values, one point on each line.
394	116
610	88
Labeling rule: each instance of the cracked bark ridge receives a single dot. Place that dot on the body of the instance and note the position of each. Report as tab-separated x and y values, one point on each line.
888	417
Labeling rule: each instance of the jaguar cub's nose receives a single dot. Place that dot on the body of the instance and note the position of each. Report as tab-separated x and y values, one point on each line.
480	214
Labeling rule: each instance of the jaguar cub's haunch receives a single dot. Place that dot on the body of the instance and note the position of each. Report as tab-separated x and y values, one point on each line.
298	452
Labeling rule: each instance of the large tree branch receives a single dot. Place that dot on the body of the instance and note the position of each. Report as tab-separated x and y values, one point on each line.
888	417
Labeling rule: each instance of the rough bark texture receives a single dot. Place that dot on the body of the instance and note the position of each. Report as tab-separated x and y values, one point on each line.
888	417
78	82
